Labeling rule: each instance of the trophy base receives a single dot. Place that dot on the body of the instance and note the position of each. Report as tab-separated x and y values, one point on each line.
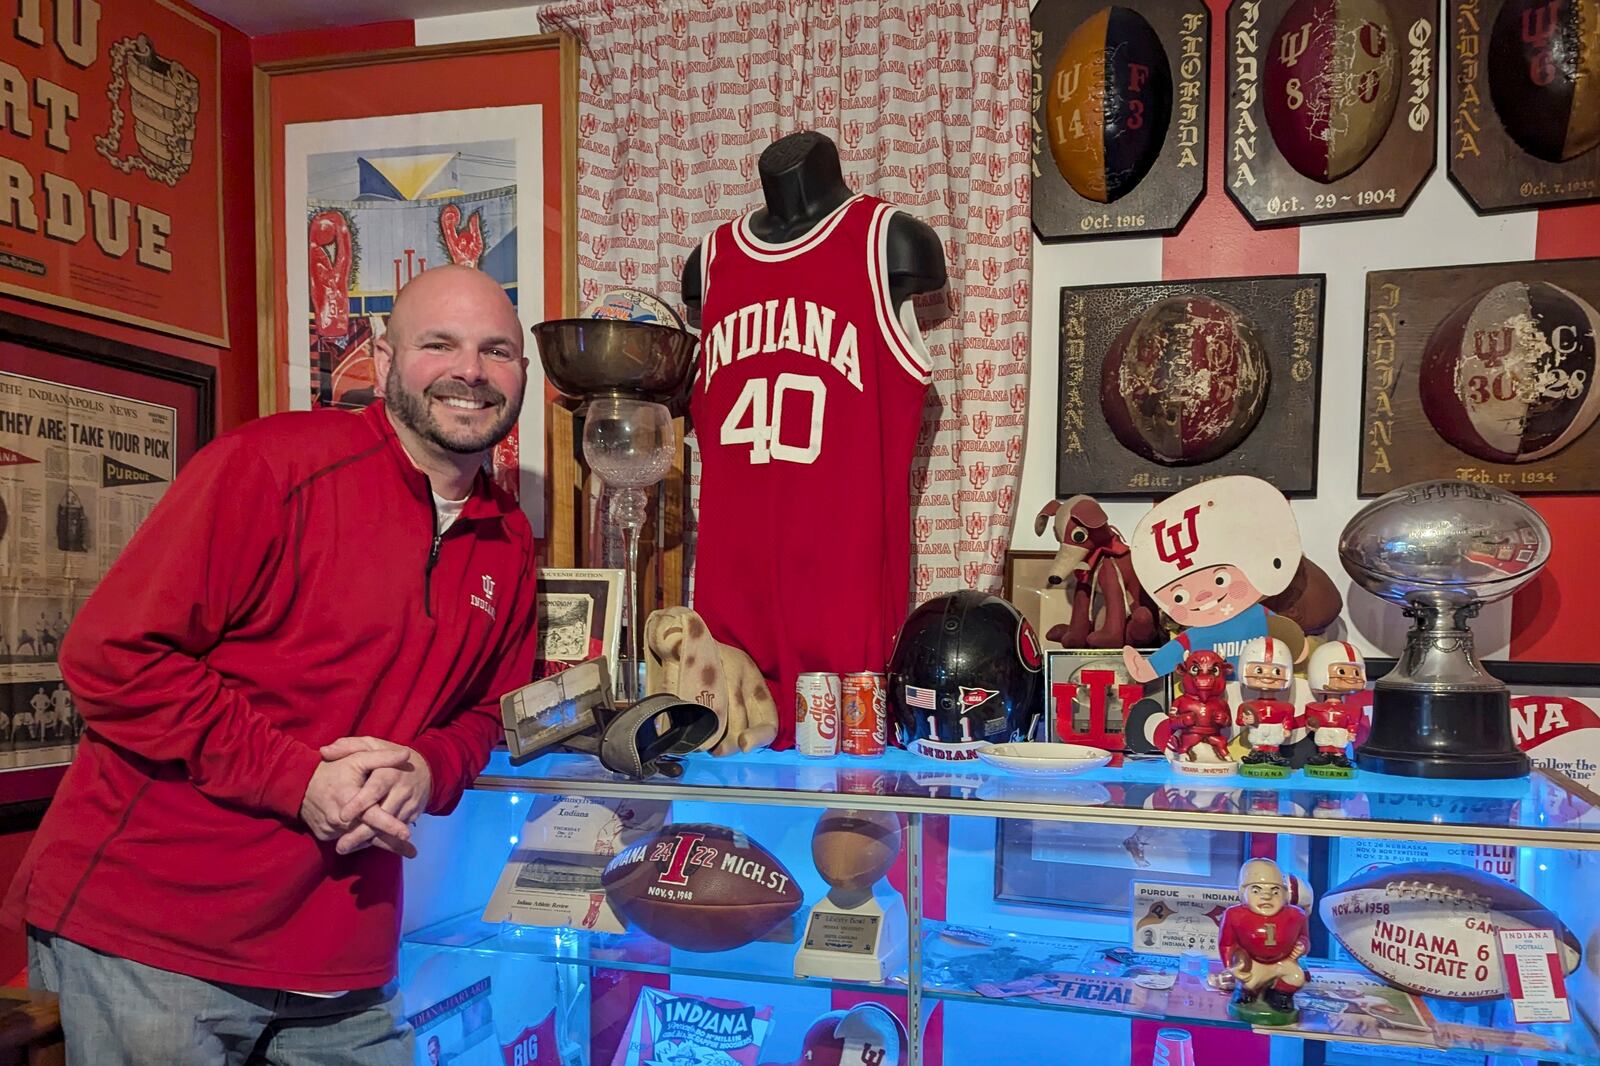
866	941
1461	734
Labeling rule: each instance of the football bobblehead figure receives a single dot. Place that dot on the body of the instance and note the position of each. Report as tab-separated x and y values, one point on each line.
1210	554
1266	676
809	395
1261	940
1335	672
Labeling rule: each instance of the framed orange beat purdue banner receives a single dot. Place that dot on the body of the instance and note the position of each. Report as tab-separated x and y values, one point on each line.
374	167
110	176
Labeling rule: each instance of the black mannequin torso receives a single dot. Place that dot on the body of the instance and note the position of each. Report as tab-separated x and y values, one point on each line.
801	182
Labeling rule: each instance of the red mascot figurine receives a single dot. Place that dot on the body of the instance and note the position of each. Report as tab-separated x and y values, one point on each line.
1200	713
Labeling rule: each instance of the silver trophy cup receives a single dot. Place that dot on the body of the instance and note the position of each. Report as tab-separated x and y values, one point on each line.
1441	550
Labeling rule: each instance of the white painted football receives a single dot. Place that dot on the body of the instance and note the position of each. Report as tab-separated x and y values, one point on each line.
1429	927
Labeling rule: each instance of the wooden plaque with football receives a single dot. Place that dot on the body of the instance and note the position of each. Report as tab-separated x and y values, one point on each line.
1166	384
1483	373
1524	102
1119	116
1332	107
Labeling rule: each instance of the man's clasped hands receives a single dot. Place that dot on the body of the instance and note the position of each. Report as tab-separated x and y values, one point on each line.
367	791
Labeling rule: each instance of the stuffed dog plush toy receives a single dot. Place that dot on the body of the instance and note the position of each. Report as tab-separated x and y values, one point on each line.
684	659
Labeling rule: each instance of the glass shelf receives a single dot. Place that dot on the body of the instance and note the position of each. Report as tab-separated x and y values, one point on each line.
764	962
1141	986
1539	810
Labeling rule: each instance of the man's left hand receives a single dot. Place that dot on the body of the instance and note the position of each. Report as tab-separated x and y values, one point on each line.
390	800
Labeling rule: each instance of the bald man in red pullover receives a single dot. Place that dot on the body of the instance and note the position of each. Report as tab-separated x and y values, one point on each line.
299	653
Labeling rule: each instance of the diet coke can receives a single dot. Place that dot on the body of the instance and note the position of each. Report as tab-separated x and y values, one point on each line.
816	715
866	728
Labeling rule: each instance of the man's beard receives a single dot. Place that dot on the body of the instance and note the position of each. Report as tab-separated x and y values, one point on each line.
416	413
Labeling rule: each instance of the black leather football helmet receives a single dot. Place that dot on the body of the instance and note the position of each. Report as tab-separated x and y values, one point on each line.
966	672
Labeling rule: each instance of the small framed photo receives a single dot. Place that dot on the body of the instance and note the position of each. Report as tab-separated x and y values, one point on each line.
1092	708
580	618
1027	587
1091	867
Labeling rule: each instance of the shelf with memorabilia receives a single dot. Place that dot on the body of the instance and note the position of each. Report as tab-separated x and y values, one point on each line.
1113	923
1396	943
766	961
1234	877
1340	1002
1543	808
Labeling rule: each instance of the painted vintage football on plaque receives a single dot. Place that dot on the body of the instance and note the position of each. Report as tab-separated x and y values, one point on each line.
1331	107
1524	102
1119	101
1485	373
1169	383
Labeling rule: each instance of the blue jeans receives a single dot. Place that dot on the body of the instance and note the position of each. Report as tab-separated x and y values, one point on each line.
116	1012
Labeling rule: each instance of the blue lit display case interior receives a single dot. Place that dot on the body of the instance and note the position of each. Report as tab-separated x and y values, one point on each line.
1005	878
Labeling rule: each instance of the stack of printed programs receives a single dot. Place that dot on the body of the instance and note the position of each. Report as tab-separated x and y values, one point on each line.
553	876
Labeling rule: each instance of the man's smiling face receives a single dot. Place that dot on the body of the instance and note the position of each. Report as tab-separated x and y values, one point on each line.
451	362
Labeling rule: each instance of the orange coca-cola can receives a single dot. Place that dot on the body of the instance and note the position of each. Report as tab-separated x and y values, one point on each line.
866	725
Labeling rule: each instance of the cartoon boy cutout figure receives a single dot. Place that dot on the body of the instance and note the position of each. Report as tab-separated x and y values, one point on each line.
1210	554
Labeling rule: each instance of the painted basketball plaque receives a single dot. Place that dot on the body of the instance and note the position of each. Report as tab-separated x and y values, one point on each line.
1119	108
1169	383
1524	101
1483	373
1331	107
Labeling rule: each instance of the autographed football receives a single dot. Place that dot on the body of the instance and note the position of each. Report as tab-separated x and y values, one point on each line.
1430	927
1331	84
1186	381
1108	104
1508	377
1544	76
701	887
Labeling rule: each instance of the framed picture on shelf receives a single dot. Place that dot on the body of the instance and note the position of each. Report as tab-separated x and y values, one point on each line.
579	617
1085	692
1027	587
379	165
1091	867
92	432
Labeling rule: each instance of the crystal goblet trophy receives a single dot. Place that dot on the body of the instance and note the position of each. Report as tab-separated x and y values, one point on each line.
1442	550
630	375
629	444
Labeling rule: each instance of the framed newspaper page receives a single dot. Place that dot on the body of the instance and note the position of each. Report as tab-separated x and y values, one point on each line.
91	435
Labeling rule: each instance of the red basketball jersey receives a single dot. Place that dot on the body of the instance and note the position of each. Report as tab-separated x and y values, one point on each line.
806	409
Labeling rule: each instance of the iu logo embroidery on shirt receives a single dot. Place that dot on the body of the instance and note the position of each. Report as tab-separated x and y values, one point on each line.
485	603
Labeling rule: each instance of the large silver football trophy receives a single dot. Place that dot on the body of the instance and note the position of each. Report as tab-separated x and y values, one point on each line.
1441	550
626	372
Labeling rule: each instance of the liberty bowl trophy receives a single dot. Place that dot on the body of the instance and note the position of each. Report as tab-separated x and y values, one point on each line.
626	373
1441	550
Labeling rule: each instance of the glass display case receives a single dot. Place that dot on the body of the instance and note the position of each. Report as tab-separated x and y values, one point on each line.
1046	919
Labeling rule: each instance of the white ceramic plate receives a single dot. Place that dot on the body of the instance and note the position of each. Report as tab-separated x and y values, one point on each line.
1053	759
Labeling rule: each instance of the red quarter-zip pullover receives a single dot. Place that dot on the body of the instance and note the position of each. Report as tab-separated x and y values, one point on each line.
287	591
